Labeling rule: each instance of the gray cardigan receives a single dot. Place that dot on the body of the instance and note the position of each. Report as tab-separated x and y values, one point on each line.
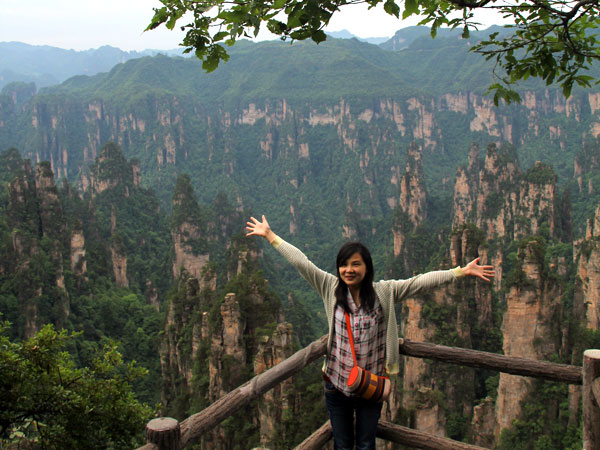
388	292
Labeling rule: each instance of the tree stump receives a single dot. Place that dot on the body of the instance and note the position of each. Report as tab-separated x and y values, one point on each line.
591	408
164	432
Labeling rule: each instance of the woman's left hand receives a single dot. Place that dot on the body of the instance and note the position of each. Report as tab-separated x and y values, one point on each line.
475	270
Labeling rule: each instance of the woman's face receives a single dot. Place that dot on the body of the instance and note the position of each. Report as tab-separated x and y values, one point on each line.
353	270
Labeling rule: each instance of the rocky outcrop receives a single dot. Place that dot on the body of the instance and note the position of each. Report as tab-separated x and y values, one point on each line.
186	316
495	203
465	193
413	198
411	209
529	326
466	243
111	171
35	214
50	208
496	198
53	227
161	130
586	164
506	203
419	397
19	93
212	345
483	424
537	203
78	251
119	264
227	350
152	295
227	362
23	212
499	194
431	393
185	258
279	401
587	285
189	231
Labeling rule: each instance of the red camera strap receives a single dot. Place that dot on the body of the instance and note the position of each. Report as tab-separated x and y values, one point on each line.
350	337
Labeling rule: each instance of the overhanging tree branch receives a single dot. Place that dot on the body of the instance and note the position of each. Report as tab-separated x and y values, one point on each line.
551	40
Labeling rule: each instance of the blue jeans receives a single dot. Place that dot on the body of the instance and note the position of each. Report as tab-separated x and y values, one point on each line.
341	411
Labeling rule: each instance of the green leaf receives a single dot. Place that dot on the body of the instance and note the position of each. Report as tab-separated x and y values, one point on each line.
319	36
220	35
410	7
566	88
276	27
391	8
214	55
170	23
160	15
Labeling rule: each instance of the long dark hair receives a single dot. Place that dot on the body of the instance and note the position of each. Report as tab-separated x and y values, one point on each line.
367	293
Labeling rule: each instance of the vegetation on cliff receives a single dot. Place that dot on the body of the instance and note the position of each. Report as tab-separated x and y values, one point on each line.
48	276
125	216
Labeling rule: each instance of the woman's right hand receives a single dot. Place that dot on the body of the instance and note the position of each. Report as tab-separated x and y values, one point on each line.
261	228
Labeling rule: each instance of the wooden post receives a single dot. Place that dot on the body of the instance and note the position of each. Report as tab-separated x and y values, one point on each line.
164	432
591	408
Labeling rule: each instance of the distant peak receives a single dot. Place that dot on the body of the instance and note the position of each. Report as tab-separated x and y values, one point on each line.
345	34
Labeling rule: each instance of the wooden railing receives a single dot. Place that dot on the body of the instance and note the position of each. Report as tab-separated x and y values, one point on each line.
168	434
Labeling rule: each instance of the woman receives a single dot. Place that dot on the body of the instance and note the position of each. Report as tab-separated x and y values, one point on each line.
370	308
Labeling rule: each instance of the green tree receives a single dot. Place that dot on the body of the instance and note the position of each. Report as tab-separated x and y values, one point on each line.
46	400
548	39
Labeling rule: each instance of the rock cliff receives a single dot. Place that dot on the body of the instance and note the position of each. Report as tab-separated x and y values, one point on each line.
211	346
222	326
437	397
38	242
530	326
280	401
165	134
587	286
497	208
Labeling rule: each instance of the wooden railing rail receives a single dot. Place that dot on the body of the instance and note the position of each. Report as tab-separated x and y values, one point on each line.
419	439
191	429
394	433
318	439
507	364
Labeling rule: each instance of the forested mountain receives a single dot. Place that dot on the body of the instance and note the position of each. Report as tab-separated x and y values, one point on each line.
160	164
46	66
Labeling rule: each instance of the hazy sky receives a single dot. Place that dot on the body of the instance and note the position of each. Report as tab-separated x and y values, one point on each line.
84	24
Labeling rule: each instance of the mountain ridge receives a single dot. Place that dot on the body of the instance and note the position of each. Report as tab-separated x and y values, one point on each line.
47	65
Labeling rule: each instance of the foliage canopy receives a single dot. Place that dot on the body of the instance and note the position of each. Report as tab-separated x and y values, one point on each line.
553	40
46	399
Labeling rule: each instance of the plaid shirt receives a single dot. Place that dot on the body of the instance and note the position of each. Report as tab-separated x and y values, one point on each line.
369	333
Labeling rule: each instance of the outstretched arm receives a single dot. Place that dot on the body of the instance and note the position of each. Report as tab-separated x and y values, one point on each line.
320	280
429	280
261	228
475	270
